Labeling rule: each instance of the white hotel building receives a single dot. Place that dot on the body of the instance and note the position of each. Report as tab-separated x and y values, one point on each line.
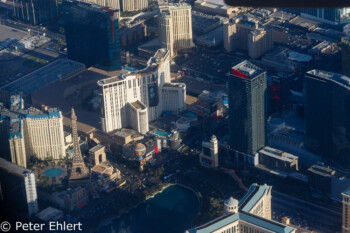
252	214
134	98
26	133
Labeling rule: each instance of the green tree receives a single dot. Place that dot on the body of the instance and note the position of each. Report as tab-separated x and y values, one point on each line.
216	206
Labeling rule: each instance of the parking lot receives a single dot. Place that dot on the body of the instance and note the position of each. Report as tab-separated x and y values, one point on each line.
210	66
9	33
14	64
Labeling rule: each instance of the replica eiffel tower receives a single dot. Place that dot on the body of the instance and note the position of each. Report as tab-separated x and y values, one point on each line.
79	173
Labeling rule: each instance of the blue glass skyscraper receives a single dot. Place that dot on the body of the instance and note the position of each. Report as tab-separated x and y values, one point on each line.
247	92
92	35
327	101
327	15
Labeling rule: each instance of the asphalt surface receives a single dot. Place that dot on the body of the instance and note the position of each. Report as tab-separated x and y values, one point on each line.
34	29
305	214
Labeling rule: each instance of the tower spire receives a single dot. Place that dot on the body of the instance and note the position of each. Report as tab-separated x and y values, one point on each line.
79	170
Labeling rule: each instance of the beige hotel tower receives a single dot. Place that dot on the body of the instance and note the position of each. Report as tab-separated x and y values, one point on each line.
175	26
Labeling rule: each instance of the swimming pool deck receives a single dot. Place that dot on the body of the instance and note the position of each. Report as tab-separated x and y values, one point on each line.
41	169
53	172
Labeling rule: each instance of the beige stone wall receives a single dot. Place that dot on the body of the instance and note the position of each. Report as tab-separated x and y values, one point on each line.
18	152
107	3
44	137
176	27
134	5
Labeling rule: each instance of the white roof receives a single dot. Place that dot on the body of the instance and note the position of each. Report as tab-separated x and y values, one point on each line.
231	202
214	3
300	57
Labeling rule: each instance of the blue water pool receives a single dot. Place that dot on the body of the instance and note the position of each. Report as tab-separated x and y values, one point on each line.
53	172
160	133
191	114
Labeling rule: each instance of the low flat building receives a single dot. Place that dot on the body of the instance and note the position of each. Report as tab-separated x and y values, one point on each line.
149	48
321	47
204	23
73	198
285	59
107	171
133	35
331	181
124	136
243	158
215	7
183	124
57	70
115	140
50	214
212	39
276	159
291	140
320	177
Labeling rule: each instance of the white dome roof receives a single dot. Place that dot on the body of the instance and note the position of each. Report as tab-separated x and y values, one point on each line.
231	202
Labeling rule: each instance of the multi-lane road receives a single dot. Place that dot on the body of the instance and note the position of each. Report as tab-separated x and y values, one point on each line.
306	214
35	30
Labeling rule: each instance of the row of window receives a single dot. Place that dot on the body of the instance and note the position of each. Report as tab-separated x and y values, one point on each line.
242	229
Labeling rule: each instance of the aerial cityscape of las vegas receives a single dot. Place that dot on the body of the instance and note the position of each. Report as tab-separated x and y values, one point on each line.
174	116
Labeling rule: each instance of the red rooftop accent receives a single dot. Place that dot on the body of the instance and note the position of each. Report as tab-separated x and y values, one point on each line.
111	13
239	74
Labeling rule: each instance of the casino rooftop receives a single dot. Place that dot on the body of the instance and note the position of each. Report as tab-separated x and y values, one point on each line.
60	69
244	215
246	69
152	64
15	117
339	79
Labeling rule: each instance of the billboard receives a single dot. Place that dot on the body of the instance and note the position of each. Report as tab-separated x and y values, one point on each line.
153	98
